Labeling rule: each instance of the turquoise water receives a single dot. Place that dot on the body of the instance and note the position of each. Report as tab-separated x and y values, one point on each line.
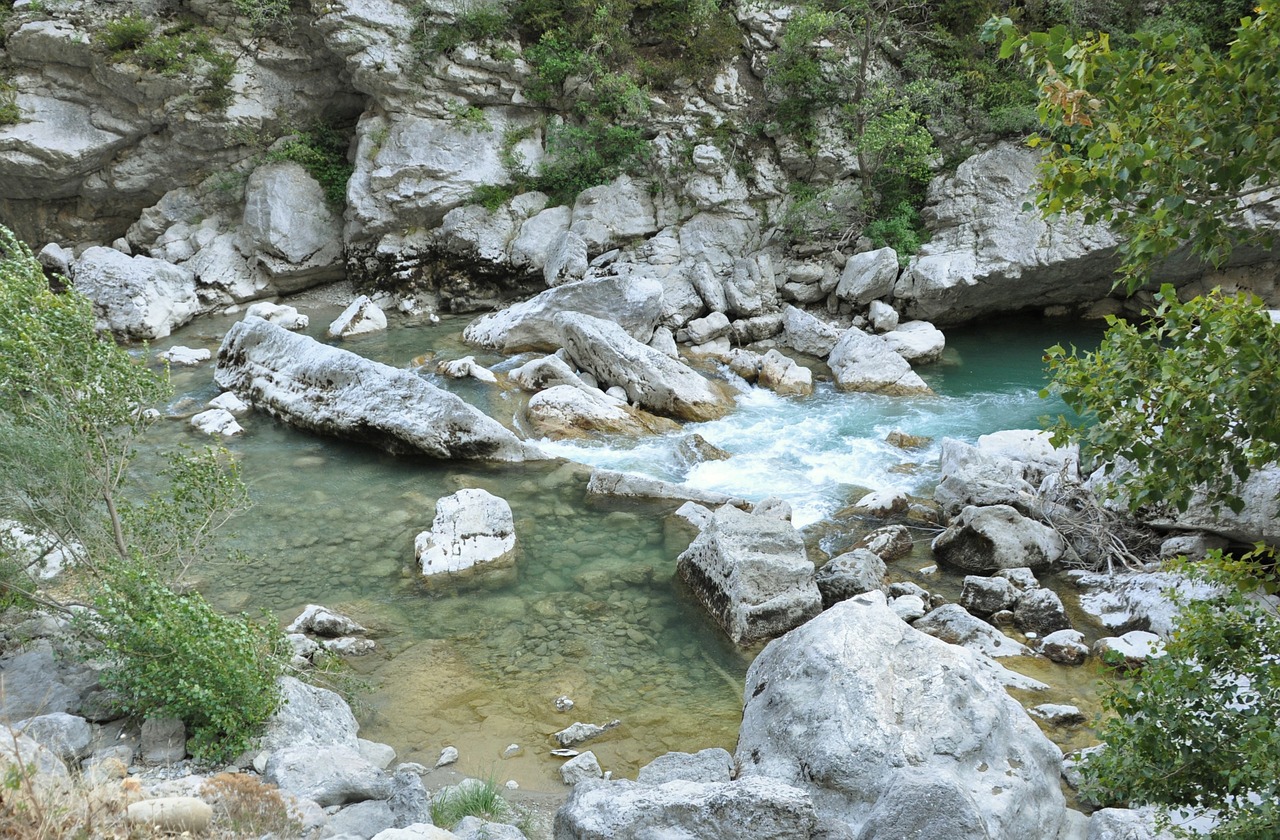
595	611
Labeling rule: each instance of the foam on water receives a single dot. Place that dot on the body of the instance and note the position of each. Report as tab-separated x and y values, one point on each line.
820	453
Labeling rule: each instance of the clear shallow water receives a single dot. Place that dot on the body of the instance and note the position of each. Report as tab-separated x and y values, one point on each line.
595	611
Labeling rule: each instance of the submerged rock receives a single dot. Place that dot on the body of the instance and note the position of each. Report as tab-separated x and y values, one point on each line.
332	391
887	727
472	528
752	575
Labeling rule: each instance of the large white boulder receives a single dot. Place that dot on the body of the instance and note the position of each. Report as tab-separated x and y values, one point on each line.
472	528
987	254
752	574
564	412
864	362
652	379
891	730
613	213
635	304
982	540
806	333
332	391
868	276
289	228
135	297
919	342
1005	467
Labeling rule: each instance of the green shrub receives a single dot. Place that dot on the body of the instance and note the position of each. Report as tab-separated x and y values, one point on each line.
70	421
173	655
492	196
583	156
9	111
322	151
263	14
901	229
473	25
125	34
472	798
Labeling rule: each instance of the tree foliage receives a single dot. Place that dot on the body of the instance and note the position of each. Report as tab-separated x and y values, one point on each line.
1167	143
1197	727
1187	398
1173	144
73	406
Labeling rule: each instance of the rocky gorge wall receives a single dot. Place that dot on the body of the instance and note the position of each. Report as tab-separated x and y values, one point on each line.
176	159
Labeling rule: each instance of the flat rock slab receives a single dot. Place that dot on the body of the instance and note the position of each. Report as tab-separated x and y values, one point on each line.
334	392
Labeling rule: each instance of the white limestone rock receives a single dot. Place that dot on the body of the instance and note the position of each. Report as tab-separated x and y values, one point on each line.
953	625
855	703
467	367
982	540
632	303
230	403
611	483
332	391
471	528
289	228
580	768
783	376
652	380
987	254
136	297
567	412
217	421
360	317
919	342
751	809
868	276
752	574
864	362
186	356
807	333
1005	467
281	315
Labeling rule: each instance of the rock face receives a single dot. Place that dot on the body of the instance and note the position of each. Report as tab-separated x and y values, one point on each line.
331	391
135	297
651	379
752	575
633	304
472	528
864	713
986	254
982	540
863	362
